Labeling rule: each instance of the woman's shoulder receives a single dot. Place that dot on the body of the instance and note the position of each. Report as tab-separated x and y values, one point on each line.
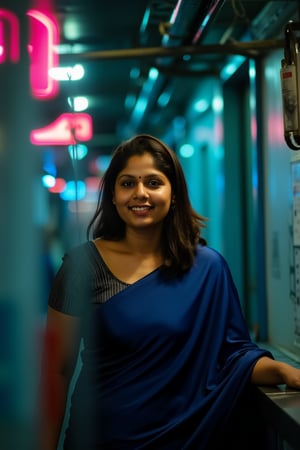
210	255
78	253
209	252
78	249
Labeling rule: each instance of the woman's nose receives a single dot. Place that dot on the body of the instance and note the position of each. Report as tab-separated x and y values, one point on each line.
140	191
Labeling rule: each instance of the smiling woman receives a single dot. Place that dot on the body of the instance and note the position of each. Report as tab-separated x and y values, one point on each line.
166	357
161	187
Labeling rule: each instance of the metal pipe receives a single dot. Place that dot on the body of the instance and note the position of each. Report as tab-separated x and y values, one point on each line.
249	49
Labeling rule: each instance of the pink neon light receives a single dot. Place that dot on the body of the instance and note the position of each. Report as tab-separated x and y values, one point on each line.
92	184
42	4
44	37
59	186
67	129
9	37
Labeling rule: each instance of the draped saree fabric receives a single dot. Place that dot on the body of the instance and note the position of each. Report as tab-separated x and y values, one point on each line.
164	361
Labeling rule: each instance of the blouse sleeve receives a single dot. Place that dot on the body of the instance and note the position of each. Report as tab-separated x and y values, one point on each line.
69	292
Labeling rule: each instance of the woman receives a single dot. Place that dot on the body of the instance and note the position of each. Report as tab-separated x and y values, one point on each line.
166	354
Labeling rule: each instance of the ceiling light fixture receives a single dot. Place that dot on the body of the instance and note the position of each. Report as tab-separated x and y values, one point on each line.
78	104
74	73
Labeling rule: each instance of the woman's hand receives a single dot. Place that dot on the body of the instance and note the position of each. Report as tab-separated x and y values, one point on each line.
268	371
290	375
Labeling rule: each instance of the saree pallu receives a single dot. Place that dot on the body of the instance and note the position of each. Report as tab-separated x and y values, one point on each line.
164	364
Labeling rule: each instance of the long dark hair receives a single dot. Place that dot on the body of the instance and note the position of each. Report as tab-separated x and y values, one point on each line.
182	226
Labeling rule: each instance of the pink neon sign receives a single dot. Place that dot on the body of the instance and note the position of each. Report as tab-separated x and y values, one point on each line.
67	129
43	39
43	55
9	37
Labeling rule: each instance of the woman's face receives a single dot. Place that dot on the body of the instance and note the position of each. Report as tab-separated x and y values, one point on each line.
142	193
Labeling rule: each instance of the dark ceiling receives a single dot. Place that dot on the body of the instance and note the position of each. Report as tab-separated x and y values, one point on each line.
115	40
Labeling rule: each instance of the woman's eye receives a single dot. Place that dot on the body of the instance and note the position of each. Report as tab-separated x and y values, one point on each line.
127	184
154	183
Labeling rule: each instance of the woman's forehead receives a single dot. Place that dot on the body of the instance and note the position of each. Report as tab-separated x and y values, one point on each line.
135	162
140	166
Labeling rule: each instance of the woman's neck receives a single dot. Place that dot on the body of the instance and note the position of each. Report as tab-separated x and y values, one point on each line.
140	242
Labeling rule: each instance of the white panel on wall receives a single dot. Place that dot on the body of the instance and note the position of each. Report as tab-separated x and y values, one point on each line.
280	255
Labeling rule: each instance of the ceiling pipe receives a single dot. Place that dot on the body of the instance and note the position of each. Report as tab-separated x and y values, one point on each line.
249	49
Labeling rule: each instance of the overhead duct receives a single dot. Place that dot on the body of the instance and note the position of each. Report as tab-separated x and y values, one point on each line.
187	25
190	20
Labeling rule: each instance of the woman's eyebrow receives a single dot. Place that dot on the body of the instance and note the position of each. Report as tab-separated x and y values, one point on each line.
150	175
126	175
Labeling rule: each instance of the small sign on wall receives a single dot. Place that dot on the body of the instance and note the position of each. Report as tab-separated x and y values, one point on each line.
295	265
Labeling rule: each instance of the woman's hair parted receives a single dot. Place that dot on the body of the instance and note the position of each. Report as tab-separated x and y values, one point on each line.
182	225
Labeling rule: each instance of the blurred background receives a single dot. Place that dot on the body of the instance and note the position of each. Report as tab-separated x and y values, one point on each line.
77	78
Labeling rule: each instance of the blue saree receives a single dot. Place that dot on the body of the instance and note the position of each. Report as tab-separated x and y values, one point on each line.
164	361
